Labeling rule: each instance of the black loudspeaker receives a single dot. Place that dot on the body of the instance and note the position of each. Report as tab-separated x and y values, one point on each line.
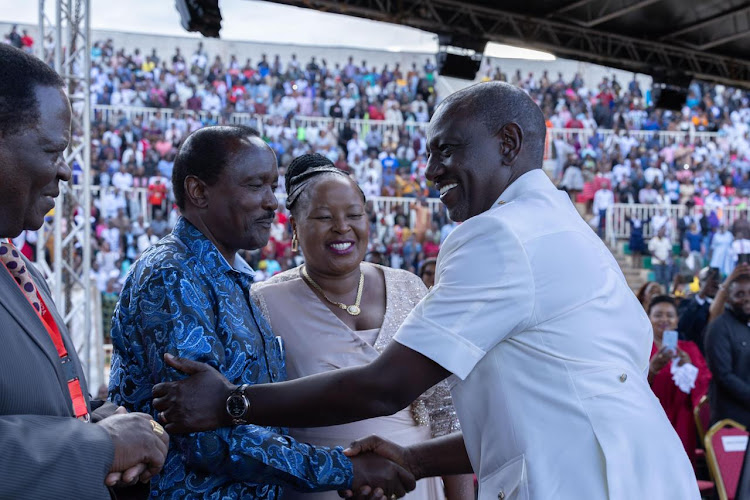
670	88
200	15
670	97
458	66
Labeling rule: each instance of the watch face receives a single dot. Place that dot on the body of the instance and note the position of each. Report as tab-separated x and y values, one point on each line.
236	405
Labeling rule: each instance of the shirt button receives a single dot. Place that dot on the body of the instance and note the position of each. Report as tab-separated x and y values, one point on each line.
623	377
501	495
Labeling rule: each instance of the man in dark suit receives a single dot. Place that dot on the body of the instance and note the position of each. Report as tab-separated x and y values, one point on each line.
728	356
694	311
54	443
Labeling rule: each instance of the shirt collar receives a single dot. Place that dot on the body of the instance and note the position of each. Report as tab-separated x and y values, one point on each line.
533	180
206	251
700	300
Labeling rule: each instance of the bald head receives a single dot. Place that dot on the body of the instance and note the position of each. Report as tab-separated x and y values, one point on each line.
495	104
480	140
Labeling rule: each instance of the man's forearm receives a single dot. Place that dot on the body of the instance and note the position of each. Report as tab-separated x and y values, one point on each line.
330	398
442	456
388	384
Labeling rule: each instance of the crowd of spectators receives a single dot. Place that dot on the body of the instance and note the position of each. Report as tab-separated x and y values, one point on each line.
139	153
606	163
21	40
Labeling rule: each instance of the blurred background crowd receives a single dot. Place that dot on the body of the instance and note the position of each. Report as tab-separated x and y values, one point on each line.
606	145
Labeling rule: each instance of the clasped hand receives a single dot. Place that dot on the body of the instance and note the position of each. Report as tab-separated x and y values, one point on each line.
196	404
381	469
140	447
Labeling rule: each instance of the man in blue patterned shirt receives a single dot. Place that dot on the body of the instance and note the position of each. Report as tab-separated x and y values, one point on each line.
188	296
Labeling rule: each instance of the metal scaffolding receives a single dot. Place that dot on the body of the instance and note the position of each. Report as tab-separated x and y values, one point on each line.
64	244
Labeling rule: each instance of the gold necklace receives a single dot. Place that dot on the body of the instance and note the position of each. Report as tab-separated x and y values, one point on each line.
353	309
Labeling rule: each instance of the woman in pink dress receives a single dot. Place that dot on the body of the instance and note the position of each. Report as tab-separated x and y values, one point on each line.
336	311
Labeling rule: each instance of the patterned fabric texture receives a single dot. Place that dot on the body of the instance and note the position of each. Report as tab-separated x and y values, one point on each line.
182	297
14	263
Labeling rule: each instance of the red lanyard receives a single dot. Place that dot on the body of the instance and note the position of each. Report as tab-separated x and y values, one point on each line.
74	384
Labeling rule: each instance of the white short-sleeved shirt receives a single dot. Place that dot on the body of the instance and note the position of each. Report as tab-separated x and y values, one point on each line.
549	351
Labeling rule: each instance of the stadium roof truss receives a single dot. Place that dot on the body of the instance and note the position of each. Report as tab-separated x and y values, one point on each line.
703	39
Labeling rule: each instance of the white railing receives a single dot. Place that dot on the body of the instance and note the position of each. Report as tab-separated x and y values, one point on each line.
113	115
381	204
618	227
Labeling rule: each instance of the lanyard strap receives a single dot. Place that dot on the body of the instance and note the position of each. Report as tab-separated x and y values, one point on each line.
74	384
71	376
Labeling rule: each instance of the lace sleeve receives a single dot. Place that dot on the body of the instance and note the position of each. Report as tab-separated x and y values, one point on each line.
438	404
434	407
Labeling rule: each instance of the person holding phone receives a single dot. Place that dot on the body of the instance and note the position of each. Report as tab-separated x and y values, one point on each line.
677	373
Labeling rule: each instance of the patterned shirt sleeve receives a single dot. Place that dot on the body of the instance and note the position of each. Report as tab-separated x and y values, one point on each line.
170	312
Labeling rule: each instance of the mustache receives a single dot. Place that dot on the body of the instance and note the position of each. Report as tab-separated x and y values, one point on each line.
270	216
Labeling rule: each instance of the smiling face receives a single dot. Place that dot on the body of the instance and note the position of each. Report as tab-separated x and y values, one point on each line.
31	165
241	204
465	162
739	295
332	228
663	317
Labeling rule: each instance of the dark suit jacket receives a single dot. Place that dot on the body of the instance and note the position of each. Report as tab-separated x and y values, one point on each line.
693	321
46	451
728	356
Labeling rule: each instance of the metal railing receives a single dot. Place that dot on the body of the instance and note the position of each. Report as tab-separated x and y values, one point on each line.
113	115
618	227
139	198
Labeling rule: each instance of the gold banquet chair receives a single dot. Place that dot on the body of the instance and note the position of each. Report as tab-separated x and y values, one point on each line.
725	464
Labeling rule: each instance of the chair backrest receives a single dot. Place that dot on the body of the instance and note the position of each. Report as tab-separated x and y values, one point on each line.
725	454
702	416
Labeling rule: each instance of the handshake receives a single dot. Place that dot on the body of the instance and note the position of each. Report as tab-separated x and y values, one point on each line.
381	469
141	446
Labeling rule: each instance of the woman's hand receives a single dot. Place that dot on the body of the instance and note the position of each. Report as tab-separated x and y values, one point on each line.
659	361
683	357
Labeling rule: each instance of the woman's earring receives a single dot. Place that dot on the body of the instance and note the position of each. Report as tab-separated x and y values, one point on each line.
295	243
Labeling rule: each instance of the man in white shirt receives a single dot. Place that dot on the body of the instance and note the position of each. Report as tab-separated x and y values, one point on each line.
355	147
347	103
621	171
211	101
661	251
545	346
654	176
603	199
111	201
132	154
122	179
660	221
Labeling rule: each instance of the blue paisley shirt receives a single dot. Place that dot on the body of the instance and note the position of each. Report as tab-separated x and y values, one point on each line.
184	298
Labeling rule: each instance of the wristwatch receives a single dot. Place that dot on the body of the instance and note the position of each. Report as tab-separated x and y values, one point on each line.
238	406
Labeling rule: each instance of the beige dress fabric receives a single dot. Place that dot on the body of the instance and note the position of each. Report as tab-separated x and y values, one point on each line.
316	341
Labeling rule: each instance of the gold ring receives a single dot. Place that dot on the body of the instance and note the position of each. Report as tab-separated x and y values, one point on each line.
157	428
